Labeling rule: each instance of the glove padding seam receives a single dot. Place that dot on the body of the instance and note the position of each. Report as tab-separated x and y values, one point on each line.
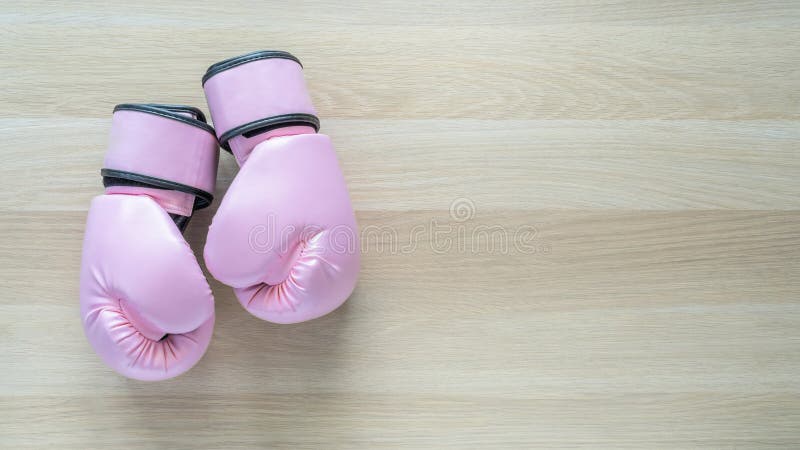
112	177
230	63
168	112
268	124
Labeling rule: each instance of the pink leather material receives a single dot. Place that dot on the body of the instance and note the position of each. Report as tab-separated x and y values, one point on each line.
285	235
257	90
140	281
242	146
146	306
160	147
173	202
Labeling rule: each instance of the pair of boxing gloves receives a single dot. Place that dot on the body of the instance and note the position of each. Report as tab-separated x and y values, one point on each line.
284	236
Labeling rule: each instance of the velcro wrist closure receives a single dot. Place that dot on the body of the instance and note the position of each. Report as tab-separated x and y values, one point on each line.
163	147
253	94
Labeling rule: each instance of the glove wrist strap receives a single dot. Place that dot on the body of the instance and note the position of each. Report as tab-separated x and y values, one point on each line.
257	96
167	152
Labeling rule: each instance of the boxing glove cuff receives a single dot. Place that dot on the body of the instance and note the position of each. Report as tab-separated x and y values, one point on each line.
256	96
162	149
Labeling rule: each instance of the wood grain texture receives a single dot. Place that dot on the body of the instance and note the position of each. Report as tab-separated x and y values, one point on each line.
650	149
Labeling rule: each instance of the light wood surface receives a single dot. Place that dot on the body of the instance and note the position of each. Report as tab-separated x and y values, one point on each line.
652	146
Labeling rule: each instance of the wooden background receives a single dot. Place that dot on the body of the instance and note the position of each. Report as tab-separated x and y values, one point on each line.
652	145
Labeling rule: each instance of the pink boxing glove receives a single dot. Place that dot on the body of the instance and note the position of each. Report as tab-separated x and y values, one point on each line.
285	236
146	307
